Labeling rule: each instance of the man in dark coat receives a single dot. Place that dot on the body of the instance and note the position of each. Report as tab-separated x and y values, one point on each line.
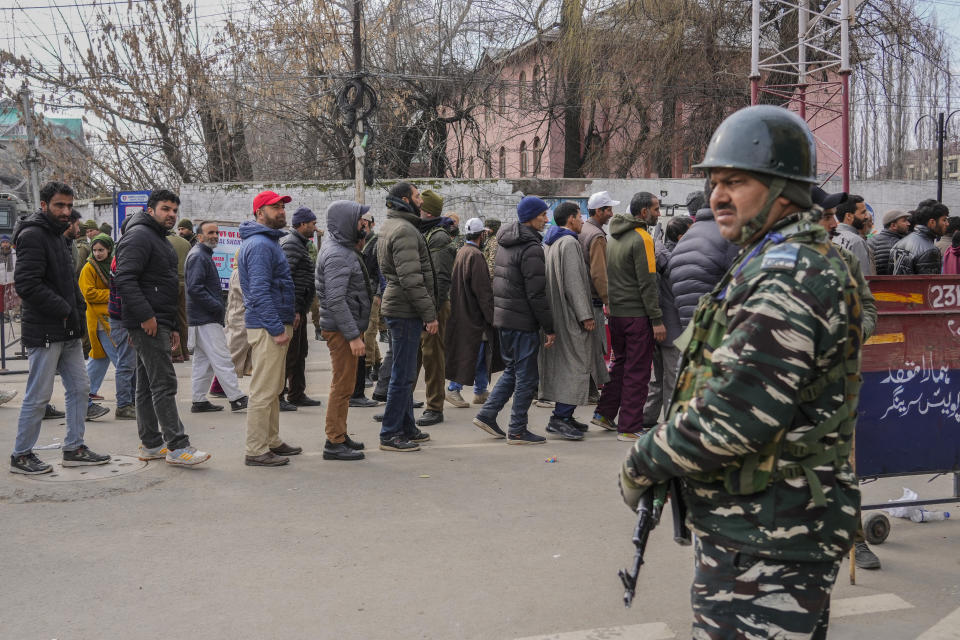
53	321
917	253
294	245
472	353
520	311
147	283
896	225
697	263
205	315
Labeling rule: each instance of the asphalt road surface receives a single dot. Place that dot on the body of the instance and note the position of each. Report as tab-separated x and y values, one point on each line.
468	538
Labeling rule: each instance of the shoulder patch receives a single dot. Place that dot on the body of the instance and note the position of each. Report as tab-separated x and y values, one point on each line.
781	258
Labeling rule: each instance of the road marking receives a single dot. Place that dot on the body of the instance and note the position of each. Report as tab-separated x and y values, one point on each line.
649	631
946	629
867	604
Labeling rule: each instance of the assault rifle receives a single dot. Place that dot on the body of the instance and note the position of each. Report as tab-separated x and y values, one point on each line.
648	517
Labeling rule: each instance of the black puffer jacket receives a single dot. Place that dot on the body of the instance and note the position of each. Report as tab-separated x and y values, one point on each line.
697	263
146	277
916	254
53	307
520	281
295	249
881	244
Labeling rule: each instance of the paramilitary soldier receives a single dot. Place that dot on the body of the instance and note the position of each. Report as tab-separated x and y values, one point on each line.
761	420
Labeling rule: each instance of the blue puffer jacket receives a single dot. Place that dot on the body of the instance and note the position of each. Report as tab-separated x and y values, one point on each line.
268	293
698	263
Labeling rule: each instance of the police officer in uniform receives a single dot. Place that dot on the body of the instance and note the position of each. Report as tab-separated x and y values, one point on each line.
761	420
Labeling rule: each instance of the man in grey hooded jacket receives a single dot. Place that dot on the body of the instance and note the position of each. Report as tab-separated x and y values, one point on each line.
344	291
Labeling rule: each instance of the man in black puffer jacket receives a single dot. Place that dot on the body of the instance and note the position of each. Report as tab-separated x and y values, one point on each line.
917	254
294	245
698	262
148	284
896	226
53	321
520	311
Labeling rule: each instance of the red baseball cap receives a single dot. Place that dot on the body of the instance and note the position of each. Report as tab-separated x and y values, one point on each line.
265	198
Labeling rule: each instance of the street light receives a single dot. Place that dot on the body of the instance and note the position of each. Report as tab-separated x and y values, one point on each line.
942	121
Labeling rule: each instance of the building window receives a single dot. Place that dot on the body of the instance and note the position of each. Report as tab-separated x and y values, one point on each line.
522	90
523	159
953	166
501	101
503	162
536	155
535	82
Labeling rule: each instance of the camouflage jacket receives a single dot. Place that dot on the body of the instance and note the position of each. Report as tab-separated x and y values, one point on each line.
490	252
772	372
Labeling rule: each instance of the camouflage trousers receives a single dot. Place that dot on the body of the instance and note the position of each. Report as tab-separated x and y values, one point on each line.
736	595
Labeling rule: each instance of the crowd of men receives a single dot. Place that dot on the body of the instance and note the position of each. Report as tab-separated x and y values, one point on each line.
574	312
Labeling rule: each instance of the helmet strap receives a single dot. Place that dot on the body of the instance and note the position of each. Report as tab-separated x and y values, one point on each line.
756	226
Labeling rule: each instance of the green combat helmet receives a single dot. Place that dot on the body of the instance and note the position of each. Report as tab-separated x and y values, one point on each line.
764	139
773	144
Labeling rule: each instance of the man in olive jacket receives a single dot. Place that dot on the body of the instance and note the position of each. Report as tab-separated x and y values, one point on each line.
409	306
443	252
635	316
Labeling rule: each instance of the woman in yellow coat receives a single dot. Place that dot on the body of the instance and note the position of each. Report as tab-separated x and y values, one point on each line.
95	286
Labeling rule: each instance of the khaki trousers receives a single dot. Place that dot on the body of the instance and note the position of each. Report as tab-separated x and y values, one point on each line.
344	365
266	383
431	358
370	344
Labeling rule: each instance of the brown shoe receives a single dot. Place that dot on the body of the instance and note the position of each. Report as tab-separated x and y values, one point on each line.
268	459
286	450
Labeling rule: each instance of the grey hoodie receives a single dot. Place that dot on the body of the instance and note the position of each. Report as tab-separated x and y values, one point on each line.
342	285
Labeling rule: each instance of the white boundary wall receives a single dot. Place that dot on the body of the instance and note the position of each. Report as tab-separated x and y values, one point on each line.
232	202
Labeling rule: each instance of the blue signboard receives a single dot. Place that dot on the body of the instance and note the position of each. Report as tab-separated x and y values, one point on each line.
224	256
127	203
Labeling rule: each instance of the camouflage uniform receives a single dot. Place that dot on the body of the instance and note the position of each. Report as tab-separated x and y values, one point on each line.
490	252
760	429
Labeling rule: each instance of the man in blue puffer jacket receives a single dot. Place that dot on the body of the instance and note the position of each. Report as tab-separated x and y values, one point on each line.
698	262
270	318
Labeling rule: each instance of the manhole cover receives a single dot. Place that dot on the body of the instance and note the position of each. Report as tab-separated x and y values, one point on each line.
118	466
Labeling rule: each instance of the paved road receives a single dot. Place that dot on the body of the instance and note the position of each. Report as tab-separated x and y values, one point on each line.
468	538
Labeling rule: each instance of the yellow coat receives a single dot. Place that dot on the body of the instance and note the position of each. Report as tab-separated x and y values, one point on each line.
97	295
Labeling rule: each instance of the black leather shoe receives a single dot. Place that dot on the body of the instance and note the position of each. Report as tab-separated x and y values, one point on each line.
306	402
205	407
363	402
353	444
582	427
379	398
239	404
430	417
287	406
418	404
340	451
378	417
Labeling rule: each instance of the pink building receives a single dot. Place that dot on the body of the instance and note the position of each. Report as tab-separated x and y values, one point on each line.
518	131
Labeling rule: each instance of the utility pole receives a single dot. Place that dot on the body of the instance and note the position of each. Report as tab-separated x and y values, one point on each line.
33	148
359	153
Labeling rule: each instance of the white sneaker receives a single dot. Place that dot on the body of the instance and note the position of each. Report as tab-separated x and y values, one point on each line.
454	398
152	453
187	456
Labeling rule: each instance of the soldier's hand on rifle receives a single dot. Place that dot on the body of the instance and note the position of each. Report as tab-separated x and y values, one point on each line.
630	491
659	332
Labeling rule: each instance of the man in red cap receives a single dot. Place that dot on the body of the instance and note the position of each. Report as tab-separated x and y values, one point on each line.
270	317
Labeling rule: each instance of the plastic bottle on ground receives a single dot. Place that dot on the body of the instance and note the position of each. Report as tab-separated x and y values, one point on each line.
923	515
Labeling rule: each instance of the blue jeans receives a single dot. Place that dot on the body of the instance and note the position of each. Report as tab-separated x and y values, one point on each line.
480	378
561	410
520	378
125	364
97	367
404	343
65	358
